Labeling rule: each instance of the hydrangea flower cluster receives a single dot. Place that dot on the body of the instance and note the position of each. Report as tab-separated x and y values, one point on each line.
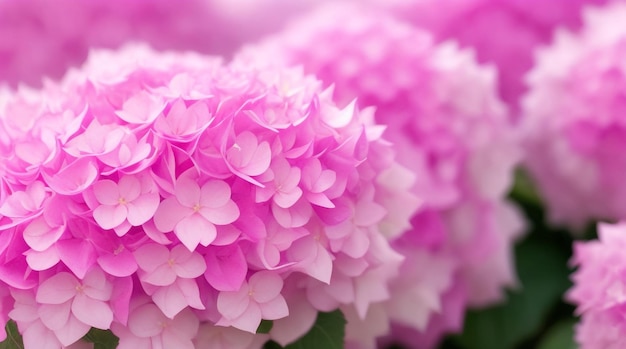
503	32
451	130
574	120
159	194
599	288
42	38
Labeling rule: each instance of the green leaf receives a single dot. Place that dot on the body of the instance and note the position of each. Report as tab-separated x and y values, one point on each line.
327	332
560	336
543	273
265	326
14	339
101	339
524	191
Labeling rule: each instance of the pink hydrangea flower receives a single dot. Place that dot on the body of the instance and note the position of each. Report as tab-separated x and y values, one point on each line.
219	196
599	290
574	134
449	128
504	33
194	211
61	33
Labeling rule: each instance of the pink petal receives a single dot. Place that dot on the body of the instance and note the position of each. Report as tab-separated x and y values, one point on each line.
151	256
96	285
120	298
58	289
296	216
286	200
368	213
120	264
185	324
356	245
141	108
265	286
223	215
163	275
187	264
325	181
142	208
274	309
154	234
72	332
249	320
78	255
109	217
106	192
260	160
226	268
129	187
54	316
72	179
145	321
169	213
320	199
172	340
191	292
170	300
187	192
232	304
36	335
39	235
301	319
92	312
194	230
42	260
214	194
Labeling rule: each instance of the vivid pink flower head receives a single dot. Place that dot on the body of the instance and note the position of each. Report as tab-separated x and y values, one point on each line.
599	290
449	129
573	120
179	192
502	32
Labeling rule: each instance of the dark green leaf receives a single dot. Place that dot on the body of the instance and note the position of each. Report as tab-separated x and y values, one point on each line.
101	339
543	273
560	336
524	191
14	339
265	326
327	332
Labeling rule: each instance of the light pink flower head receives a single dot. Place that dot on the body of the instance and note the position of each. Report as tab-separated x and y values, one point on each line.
574	120
502	32
41	38
449	129
599	290
169	191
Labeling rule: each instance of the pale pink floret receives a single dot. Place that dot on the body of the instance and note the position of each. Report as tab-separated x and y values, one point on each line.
168	276
249	156
69	306
194	211
34	333
149	328
257	299
130	202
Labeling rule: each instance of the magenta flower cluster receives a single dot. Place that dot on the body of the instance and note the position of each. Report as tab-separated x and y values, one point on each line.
155	194
599	289
573	120
462	150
